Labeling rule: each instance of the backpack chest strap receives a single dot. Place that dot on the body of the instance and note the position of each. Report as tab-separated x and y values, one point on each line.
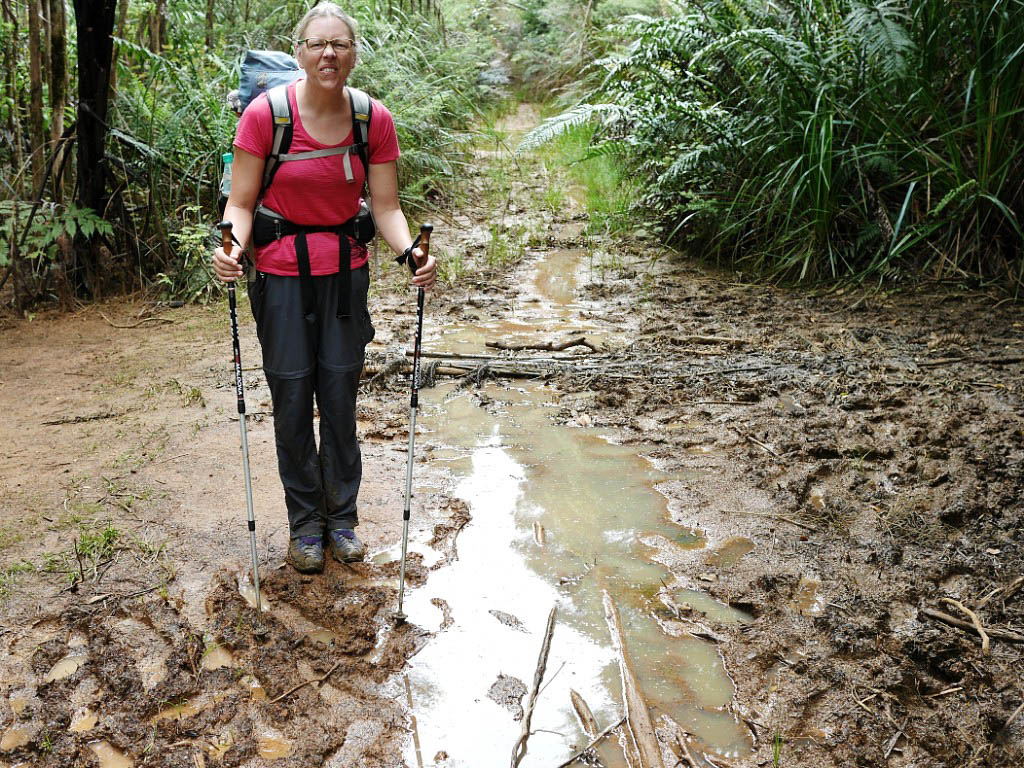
313	154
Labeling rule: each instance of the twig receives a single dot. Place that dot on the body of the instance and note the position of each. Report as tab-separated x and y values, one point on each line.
137	324
758	443
785	519
974	619
78	557
731	340
548	346
519	750
1013	717
686	751
1006	591
593	742
81	419
319	681
995	634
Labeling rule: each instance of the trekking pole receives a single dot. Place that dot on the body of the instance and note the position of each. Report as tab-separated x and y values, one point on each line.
225	236
424	243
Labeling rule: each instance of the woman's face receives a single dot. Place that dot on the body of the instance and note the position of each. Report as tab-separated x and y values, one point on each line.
329	67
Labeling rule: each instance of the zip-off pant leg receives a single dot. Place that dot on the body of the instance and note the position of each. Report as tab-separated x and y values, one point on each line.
304	360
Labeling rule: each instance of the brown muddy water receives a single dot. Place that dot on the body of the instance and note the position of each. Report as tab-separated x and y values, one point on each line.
560	514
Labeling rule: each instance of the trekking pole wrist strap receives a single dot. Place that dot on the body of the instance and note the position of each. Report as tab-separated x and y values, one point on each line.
406	256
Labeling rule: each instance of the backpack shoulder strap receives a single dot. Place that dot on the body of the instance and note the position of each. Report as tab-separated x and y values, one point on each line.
362	112
283	124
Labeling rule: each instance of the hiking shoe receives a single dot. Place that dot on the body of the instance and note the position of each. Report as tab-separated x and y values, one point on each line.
306	554
345	546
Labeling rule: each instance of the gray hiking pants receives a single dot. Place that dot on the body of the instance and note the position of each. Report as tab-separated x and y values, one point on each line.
304	360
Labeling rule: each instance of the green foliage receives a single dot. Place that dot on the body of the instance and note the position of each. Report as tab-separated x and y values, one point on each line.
49	224
825	139
191	276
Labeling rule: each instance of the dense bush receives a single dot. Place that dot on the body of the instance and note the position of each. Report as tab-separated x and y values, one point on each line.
169	124
822	139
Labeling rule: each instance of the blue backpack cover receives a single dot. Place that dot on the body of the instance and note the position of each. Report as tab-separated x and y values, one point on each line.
262	70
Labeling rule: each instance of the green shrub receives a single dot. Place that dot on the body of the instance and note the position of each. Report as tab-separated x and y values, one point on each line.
825	139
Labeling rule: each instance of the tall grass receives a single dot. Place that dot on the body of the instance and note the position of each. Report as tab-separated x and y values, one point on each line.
825	138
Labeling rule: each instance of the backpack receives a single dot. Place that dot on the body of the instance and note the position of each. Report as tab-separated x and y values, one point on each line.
272	72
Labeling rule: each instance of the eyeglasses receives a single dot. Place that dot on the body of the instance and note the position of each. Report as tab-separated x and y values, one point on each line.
317	44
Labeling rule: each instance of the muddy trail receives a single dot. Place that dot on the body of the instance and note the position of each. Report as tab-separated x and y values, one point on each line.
803	507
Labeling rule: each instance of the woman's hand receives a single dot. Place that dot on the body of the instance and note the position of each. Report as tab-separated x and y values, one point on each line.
228	267
426	272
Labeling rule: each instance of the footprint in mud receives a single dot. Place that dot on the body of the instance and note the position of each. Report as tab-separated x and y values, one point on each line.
126	683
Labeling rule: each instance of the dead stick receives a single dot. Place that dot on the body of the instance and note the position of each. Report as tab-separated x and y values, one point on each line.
593	743
1013	717
1006	592
318	681
974	619
584	713
140	322
995	634
548	346
638	716
519	750
710	340
686	751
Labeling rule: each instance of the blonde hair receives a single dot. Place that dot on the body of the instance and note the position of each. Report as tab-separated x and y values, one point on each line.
330	10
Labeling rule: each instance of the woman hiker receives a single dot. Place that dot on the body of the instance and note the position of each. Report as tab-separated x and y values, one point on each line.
313	339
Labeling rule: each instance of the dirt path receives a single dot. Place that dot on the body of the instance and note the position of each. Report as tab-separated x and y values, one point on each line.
860	458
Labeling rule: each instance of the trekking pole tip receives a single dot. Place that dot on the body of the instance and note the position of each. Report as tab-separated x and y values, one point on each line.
399	618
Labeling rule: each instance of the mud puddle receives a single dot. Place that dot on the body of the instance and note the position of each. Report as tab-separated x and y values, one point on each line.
560	514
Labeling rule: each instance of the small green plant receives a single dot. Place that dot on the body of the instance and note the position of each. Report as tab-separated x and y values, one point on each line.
505	247
451	266
191	279
9	577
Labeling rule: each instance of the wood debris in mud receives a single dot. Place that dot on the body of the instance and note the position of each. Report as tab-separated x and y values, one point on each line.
519	750
638	717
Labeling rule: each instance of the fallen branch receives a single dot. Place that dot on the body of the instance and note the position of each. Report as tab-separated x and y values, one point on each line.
731	340
637	715
593	743
995	634
81	419
974	620
548	346
137	324
519	750
319	681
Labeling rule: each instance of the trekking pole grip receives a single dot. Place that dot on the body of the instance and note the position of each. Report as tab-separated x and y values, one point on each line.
225	236
425	230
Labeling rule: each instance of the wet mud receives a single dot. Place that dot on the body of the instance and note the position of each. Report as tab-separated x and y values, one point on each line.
834	465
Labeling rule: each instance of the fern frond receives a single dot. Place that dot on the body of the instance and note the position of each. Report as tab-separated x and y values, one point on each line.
560	124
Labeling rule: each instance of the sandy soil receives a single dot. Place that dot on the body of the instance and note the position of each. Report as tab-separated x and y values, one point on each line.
864	456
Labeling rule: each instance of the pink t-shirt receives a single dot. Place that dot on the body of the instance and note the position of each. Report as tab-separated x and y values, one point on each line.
312	192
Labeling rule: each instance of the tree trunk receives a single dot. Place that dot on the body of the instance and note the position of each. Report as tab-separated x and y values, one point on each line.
122	24
156	26
209	24
58	82
37	140
94	23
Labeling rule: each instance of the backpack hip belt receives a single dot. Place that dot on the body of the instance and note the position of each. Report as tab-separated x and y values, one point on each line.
269	226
